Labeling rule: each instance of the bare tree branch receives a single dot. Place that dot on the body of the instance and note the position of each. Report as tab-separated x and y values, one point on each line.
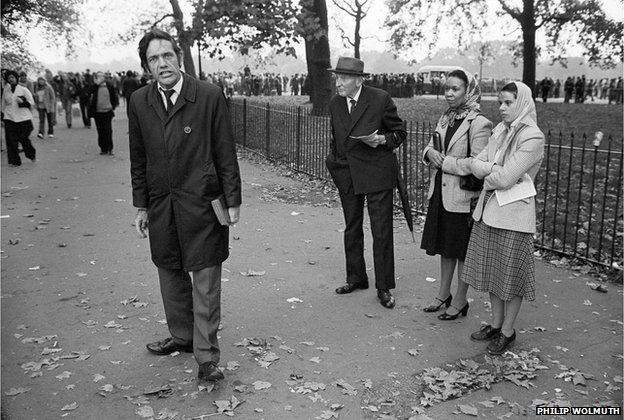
345	7
161	19
512	11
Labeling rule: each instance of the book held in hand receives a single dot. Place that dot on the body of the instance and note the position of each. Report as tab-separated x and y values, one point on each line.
220	208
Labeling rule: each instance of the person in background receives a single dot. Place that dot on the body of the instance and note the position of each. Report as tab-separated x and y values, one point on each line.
24	81
67	95
129	85
103	102
45	102
462	127
499	260
17	117
84	94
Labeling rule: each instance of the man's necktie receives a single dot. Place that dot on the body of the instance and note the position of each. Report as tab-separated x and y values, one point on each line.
168	94
352	102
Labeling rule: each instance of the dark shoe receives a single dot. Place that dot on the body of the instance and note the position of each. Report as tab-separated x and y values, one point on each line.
110	153
486	333
386	298
463	311
168	346
209	372
500	344
436	308
103	153
350	287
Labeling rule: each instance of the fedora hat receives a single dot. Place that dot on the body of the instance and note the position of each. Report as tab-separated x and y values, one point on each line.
349	65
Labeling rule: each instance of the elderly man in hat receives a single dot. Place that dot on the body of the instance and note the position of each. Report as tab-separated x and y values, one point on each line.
365	131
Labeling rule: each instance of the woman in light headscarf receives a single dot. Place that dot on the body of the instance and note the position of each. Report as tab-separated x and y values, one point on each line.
499	260
462	132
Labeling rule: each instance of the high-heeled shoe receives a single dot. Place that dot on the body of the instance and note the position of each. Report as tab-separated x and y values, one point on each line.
463	311
436	308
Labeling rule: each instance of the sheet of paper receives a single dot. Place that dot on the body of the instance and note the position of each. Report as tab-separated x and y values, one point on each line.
519	191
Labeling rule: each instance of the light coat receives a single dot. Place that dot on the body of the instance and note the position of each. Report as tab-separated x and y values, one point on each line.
474	128
522	153
49	98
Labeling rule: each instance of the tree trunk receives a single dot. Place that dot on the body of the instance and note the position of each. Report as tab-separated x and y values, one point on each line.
356	36
185	39
317	58
527	23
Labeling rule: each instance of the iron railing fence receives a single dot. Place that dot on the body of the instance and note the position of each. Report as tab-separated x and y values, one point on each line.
579	200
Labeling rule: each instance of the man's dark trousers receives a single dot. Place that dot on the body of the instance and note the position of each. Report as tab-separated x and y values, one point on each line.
380	214
104	126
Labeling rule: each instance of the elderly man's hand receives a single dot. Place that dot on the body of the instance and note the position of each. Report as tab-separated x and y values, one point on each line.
140	223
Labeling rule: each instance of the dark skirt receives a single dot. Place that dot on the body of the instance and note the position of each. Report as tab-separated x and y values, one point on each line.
500	261
445	233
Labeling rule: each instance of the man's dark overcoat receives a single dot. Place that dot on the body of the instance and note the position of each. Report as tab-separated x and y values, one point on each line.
180	162
354	166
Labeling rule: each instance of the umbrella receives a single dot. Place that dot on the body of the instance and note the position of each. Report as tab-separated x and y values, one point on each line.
405	204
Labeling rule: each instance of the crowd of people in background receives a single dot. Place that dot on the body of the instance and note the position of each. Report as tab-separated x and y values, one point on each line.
56	94
579	89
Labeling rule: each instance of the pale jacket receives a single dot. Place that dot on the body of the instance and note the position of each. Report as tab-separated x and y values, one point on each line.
478	129
523	154
10	109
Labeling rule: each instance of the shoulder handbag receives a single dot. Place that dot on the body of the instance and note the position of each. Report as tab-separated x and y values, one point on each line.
470	182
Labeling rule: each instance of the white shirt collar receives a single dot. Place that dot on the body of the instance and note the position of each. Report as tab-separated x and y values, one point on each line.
356	96
177	87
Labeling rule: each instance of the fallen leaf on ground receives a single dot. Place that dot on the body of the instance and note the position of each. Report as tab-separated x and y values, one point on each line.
413	352
70	407
293	300
16	391
146	412
252	273
468	409
227	406
258	385
232	365
587	302
64	375
315	359
346	387
430	279
97	377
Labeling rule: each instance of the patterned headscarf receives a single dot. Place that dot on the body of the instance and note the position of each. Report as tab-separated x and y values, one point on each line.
472	102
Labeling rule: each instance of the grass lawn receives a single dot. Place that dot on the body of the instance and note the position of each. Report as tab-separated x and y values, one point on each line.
580	119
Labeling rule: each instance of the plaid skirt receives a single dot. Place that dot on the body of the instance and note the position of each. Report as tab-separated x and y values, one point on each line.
500	261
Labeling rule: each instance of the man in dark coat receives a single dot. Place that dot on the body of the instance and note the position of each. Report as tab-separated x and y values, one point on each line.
183	156
365	131
102	105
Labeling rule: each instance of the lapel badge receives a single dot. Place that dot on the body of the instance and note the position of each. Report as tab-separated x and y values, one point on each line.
187	129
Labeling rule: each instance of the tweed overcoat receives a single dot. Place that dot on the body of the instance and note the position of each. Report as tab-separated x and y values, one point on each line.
179	162
354	166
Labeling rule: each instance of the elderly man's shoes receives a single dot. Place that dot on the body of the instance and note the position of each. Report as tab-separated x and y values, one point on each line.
350	287
209	372
386	298
168	346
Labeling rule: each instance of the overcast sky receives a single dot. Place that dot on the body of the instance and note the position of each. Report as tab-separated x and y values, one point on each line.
105	18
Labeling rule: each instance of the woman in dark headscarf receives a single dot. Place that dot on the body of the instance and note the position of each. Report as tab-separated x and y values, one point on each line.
463	132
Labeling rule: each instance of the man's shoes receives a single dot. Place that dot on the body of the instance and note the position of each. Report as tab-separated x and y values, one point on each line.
501	343
51	136
168	346
350	287
386	298
110	153
209	372
103	153
486	333
40	135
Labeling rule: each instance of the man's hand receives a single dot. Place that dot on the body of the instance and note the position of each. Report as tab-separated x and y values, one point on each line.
140	223
436	158
234	213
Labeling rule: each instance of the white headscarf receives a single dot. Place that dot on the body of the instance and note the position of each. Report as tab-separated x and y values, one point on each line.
522	112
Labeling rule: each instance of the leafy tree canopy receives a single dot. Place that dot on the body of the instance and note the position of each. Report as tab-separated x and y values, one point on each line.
55	18
418	24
